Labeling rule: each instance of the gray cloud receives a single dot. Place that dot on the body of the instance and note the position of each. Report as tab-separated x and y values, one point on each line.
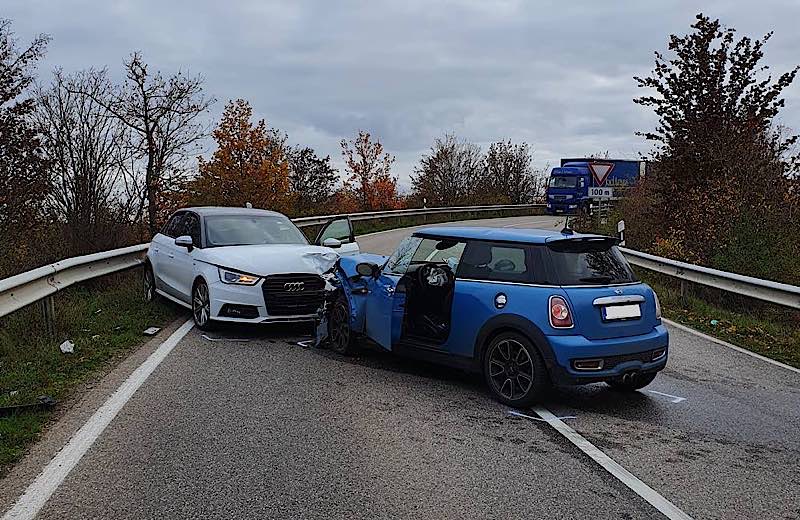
555	74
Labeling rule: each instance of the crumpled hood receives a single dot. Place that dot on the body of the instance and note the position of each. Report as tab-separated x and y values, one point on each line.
264	260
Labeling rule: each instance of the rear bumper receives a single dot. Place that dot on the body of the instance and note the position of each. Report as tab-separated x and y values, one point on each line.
620	355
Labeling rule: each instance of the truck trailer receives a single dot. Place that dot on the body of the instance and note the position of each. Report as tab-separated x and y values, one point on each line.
578	183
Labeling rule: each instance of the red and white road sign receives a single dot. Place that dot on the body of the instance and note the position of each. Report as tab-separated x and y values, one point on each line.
600	171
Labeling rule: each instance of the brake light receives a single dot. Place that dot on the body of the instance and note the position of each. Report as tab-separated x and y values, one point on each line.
560	317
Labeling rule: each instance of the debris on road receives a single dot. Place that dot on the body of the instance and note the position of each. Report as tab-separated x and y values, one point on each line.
43	402
306	343
151	331
67	347
239	340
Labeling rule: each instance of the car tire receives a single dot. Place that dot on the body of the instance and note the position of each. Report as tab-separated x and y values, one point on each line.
201	306
148	284
631	385
340	336
510	361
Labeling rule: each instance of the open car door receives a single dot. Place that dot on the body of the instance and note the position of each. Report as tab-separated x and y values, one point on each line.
338	234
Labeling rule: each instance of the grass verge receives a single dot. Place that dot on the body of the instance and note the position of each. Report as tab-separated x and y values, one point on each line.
104	320
766	329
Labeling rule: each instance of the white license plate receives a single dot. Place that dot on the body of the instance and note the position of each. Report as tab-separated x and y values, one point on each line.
621	312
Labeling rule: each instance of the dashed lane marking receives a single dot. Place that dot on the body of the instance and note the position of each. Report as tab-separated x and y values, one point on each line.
666	507
37	494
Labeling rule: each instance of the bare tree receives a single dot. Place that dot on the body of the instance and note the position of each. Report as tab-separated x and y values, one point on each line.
84	143
449	175
508	176
163	115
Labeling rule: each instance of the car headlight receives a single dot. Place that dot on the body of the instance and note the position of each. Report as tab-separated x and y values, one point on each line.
228	276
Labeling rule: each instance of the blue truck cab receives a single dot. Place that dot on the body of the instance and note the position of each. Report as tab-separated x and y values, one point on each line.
569	186
524	307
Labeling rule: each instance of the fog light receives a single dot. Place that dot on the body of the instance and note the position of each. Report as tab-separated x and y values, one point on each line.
658	354
587	364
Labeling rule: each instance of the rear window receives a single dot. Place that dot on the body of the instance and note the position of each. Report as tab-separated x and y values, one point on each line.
589	262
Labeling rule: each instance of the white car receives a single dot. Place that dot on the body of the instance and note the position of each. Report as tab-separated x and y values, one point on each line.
243	265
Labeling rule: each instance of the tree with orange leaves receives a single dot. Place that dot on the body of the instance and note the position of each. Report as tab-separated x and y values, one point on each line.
370	173
249	165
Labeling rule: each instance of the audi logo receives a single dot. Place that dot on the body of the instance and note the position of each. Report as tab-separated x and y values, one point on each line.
294	286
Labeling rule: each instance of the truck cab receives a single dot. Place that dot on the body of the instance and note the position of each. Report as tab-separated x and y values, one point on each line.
567	188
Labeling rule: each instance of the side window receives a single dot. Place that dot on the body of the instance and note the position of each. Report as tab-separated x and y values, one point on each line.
191	227
173	226
338	229
401	258
445	251
495	262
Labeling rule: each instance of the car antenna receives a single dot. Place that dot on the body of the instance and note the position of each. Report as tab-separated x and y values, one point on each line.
567	230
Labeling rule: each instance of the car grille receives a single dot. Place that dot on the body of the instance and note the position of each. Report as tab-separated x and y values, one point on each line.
559	197
293	294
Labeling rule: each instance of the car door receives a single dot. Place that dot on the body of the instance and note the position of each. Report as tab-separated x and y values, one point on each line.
341	229
183	261
385	304
163	256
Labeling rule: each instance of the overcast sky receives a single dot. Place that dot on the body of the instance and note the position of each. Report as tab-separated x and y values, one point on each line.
555	74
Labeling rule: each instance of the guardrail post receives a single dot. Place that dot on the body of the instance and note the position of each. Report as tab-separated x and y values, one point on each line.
684	291
48	308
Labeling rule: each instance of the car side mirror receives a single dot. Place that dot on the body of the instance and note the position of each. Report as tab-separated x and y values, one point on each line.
331	242
185	241
368	269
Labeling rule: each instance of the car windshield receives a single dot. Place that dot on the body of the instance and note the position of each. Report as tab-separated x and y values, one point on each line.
589	262
243	230
563	182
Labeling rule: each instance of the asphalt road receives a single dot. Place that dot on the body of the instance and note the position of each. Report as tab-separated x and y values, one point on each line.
268	428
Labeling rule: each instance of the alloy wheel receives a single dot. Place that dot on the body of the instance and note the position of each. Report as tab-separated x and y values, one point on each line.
511	370
339	327
201	304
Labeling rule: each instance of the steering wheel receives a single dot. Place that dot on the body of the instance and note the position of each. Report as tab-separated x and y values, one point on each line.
434	275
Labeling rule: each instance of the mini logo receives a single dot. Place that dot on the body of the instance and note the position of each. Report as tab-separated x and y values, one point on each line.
294	286
617	291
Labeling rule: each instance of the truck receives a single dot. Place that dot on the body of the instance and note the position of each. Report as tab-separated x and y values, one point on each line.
579	183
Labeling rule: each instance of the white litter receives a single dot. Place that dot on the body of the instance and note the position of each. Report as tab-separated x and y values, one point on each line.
13	393
96	336
67	347
151	331
518	414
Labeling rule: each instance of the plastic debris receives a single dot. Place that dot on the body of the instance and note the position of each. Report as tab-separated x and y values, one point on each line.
13	393
96	336
715	322
67	347
305	343
239	340
151	331
98	311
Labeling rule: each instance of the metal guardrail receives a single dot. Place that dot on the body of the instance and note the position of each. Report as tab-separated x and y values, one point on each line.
39	284
766	290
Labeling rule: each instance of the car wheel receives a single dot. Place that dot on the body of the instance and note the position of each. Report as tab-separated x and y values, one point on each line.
514	370
633	383
340	337
201	306
148	284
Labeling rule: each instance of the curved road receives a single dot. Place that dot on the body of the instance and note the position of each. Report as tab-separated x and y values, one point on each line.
250	424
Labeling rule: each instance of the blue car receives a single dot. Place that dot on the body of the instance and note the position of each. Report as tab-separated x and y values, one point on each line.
526	308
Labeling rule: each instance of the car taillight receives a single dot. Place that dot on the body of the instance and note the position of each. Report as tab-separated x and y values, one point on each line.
658	306
560	317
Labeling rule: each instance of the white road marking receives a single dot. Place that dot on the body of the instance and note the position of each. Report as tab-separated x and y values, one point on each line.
518	414
37	494
666	507
729	345
672	398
